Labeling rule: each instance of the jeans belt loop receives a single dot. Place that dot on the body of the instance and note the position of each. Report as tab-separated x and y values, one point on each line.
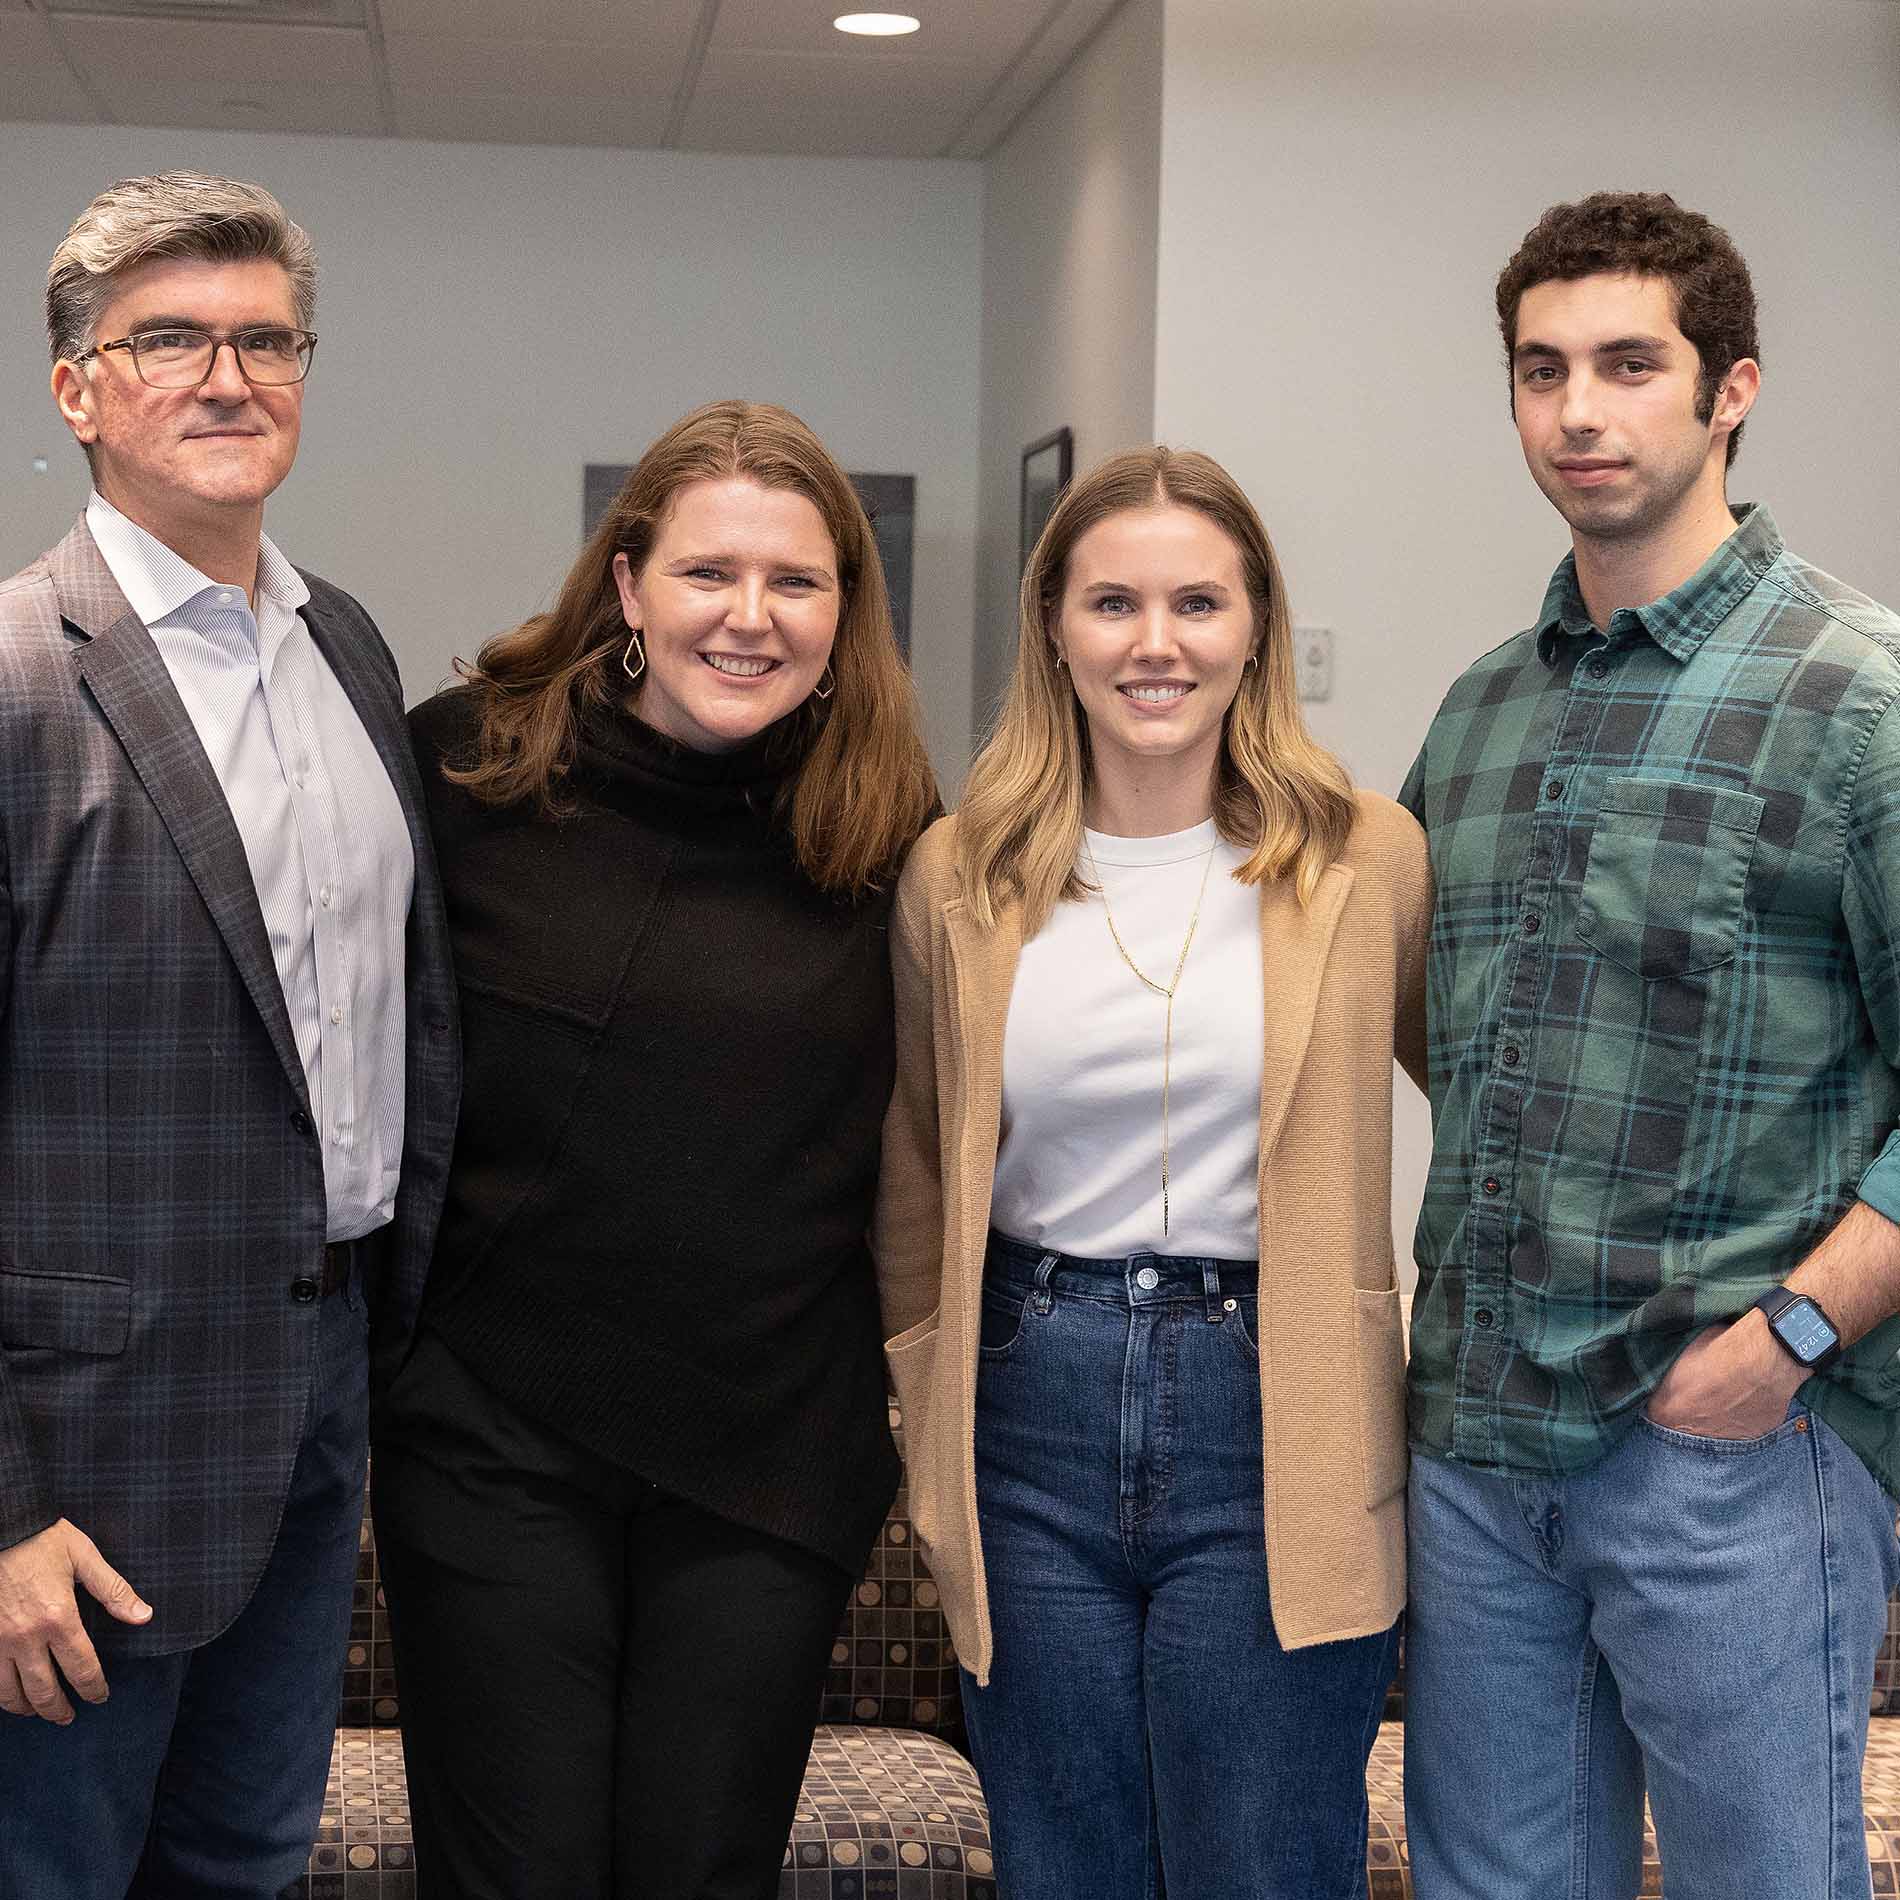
1210	1288
1045	1299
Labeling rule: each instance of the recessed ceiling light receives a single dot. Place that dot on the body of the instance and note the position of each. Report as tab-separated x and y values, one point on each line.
877	25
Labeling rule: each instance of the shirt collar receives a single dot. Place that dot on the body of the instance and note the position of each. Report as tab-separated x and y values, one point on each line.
157	581
1681	620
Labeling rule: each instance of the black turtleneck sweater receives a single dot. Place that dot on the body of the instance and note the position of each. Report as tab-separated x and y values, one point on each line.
677	1056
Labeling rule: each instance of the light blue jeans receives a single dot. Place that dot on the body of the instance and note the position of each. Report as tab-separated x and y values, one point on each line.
1695	1614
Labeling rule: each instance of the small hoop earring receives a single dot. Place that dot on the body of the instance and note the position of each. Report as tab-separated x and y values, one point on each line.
633	647
1060	661
1253	660
822	690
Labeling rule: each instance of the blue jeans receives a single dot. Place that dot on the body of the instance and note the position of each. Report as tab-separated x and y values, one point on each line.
202	1777
1141	1712
1697	1614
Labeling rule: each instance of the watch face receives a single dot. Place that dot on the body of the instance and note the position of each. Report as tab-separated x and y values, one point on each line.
1805	1331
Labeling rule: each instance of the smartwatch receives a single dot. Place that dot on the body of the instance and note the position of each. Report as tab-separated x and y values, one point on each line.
1806	1333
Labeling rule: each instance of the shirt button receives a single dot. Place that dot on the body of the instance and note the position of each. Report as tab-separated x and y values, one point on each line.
1532	922
303	1289
1510	1055
1598	669
1492	1185
324	896
1554	790
1147	1279
1485	1317
336	1012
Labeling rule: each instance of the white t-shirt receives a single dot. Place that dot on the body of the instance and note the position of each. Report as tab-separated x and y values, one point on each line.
1078	1168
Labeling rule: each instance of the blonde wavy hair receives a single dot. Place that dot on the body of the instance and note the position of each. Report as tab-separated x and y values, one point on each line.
1019	826
863	789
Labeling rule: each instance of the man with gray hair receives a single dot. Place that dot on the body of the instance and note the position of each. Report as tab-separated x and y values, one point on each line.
226	1037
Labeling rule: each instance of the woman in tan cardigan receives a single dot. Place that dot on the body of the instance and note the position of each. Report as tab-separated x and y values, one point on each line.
1134	1228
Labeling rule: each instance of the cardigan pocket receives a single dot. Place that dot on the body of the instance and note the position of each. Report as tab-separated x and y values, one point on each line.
1381	1343
912	1358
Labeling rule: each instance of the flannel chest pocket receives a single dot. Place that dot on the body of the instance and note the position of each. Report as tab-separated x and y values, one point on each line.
1668	870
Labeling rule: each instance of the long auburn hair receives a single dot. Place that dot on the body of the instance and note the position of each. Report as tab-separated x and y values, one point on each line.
863	789
1019	826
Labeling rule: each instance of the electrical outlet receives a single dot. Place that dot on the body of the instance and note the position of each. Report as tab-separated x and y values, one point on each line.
1313	661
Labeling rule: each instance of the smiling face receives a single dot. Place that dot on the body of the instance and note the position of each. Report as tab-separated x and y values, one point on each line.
179	460
1155	628
1604	392
737	607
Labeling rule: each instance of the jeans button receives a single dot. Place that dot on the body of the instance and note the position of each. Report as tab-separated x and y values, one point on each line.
1147	1279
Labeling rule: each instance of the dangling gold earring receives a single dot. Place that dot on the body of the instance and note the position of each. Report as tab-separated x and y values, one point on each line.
821	690
633	647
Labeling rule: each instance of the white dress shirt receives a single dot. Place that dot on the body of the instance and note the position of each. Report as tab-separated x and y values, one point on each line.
322	829
1078	1166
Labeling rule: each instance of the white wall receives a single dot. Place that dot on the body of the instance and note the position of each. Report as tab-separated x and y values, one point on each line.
494	317
1068	292
1340	187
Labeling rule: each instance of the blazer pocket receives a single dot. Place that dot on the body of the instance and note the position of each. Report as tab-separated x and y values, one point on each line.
67	1312
1381	1345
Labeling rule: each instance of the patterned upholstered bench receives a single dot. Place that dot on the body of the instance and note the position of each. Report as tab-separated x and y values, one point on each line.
889	1808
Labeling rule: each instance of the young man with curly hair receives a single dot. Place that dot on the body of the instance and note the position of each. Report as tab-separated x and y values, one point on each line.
1655	1382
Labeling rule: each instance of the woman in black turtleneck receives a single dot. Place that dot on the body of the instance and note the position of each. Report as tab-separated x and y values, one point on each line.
636	1459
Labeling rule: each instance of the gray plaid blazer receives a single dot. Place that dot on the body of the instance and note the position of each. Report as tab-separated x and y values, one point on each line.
161	1179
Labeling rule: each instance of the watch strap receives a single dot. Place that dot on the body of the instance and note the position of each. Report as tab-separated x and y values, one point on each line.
1776	1302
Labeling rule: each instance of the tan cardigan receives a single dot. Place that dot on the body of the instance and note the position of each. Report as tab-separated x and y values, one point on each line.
1344	984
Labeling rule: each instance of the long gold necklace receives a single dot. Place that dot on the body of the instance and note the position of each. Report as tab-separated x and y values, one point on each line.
1166	990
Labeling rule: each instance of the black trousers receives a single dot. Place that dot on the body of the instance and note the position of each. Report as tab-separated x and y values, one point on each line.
607	1693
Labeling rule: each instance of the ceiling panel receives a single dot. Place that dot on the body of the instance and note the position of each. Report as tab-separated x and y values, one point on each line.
989	31
243	105
817	84
513	120
34	80
207	56
837	128
423	63
662	28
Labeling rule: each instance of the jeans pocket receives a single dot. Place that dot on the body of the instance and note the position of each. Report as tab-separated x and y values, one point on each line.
1796	1421
1663	889
1003	1311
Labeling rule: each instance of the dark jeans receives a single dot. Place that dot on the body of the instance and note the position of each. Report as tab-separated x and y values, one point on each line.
606	1692
202	1777
1141	1710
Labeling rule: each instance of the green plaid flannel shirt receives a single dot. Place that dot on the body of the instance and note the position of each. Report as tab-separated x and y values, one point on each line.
1664	998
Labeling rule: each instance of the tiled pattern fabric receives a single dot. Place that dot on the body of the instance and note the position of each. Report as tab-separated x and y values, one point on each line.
893	1662
887	1814
369	1670
364	1848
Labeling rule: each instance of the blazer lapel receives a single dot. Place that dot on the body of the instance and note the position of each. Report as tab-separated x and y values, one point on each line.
1294	945
133	689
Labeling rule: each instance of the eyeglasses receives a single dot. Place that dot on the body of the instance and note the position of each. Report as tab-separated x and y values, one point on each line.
185	359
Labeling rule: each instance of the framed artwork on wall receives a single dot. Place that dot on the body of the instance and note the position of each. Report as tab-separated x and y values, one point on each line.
890	501
1048	462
